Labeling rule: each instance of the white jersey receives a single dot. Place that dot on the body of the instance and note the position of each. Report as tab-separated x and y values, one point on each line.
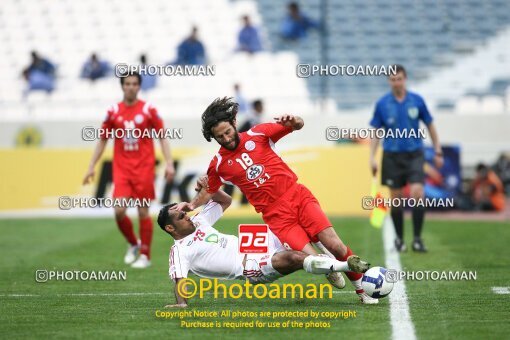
207	252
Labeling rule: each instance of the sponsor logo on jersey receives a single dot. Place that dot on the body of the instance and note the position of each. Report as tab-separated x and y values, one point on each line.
249	145
139	118
253	238
254	172
213	238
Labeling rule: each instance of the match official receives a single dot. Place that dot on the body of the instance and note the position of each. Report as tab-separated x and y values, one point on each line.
403	157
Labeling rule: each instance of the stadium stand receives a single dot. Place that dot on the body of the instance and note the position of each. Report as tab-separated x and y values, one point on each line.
112	30
426	36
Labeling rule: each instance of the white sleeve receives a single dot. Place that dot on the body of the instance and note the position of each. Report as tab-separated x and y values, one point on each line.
209	215
179	264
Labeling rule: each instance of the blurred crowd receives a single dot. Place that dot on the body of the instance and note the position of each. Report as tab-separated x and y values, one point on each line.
487	191
41	74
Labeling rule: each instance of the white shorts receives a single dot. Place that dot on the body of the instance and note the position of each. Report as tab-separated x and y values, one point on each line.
258	267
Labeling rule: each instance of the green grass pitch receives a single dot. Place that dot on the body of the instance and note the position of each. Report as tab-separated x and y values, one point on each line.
85	309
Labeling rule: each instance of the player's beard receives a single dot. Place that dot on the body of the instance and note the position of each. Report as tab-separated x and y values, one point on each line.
236	143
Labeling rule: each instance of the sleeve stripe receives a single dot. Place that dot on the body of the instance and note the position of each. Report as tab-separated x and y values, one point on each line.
211	204
218	161
253	133
172	276
180	268
146	107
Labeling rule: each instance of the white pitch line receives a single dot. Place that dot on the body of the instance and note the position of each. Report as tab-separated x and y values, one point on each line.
401	324
501	290
82	294
118	294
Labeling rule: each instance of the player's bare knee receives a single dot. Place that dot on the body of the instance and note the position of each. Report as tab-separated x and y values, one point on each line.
120	213
396	193
417	191
297	258
143	213
309	249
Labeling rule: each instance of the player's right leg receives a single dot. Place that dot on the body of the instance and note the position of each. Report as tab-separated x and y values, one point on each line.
143	188
146	230
287	262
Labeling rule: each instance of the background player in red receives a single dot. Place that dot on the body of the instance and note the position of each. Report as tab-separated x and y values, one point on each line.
133	163
249	161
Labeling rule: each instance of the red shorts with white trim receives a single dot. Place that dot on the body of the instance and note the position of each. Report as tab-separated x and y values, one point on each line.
134	187
296	218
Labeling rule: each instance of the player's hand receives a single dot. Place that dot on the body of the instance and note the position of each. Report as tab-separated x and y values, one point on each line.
202	182
286	120
178	305
374	167
89	176
169	171
438	160
183	206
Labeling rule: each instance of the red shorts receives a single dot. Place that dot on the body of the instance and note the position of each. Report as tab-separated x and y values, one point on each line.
296	218
134	187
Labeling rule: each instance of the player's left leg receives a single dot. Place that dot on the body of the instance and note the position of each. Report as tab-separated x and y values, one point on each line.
416	178
146	229
316	224
123	190
266	268
418	214
143	189
284	222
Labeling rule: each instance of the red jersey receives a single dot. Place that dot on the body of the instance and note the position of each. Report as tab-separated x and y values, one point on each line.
132	156
254	166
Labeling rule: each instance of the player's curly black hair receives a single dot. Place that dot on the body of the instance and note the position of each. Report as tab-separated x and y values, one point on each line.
220	110
164	217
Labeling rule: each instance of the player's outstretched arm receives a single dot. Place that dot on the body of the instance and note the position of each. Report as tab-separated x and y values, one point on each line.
220	197
200	199
438	156
295	122
169	169
179	290
98	152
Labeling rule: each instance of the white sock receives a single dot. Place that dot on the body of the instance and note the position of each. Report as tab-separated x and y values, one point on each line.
323	265
324	249
357	284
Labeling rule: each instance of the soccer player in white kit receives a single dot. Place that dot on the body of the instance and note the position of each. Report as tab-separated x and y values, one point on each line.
201	249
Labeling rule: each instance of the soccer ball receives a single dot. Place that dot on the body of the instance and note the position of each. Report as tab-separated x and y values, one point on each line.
374	283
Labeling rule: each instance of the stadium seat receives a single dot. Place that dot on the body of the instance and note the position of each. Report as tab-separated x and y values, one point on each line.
468	105
492	105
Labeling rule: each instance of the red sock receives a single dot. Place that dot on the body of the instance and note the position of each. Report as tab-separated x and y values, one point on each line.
126	228
146	236
351	275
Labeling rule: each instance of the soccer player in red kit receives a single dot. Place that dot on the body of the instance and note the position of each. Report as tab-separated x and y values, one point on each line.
249	161
133	163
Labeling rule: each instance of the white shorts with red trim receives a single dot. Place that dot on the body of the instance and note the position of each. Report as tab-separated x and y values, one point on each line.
258	267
